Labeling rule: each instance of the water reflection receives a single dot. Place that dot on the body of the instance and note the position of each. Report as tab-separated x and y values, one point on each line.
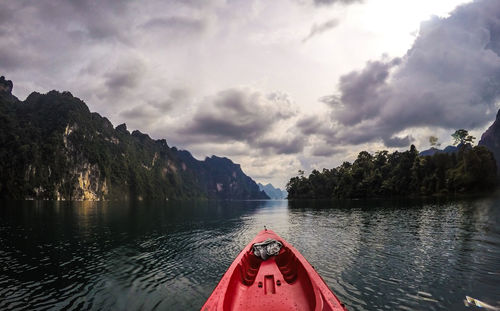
412	256
375	254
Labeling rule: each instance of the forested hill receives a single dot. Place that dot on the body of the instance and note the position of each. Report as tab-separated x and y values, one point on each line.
53	147
384	174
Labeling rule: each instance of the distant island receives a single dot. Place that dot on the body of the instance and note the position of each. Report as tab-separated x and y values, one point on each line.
53	148
464	169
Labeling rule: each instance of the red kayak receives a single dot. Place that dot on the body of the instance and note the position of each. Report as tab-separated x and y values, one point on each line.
270	274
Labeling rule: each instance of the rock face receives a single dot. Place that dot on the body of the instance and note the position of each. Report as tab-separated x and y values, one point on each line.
219	178
491	139
53	147
272	192
5	85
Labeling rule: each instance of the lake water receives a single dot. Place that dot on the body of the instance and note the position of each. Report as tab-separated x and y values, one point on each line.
375	255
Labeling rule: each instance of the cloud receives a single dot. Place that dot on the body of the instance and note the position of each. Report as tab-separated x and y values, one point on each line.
361	92
309	125
97	22
178	24
58	36
450	78
313	124
10	57
152	111
322	150
141	113
176	98
48	43
321	28
283	146
179	94
330	2
397	142
238	115
123	78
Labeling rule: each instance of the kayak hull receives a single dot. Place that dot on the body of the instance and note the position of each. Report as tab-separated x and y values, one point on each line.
283	282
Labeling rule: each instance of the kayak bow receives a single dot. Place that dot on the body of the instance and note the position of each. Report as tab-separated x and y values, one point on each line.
285	281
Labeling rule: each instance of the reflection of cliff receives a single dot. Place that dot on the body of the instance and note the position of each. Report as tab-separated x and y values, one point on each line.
53	147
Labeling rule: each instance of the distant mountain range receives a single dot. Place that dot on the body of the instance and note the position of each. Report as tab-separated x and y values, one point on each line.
272	192
432	151
53	147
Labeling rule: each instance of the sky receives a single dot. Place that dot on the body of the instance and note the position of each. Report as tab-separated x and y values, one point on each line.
276	86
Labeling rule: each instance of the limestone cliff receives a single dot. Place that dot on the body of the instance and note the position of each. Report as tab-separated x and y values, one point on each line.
53	147
491	139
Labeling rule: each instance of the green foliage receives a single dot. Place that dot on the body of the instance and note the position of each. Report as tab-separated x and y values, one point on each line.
462	137
400	174
45	141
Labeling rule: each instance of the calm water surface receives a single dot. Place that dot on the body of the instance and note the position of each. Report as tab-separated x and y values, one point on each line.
375	255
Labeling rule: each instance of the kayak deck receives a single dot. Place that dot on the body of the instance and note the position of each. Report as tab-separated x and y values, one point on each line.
283	282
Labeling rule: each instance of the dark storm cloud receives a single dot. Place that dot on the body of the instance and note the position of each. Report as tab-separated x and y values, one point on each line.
121	79
163	106
237	114
310	125
326	151
179	94
57	36
245	116
278	146
222	129
10	57
97	19
177	97
142	113
450	78
48	38
153	110
321	28
360	92
397	142
176	23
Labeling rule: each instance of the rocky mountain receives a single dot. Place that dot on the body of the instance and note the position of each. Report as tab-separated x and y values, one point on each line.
53	147
272	192
491	139
432	151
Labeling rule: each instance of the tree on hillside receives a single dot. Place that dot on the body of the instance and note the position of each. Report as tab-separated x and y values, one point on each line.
403	174
462	137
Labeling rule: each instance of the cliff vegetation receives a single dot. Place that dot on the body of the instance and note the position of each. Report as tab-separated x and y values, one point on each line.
53	147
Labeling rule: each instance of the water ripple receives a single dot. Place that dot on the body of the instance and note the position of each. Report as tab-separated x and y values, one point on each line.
374	255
